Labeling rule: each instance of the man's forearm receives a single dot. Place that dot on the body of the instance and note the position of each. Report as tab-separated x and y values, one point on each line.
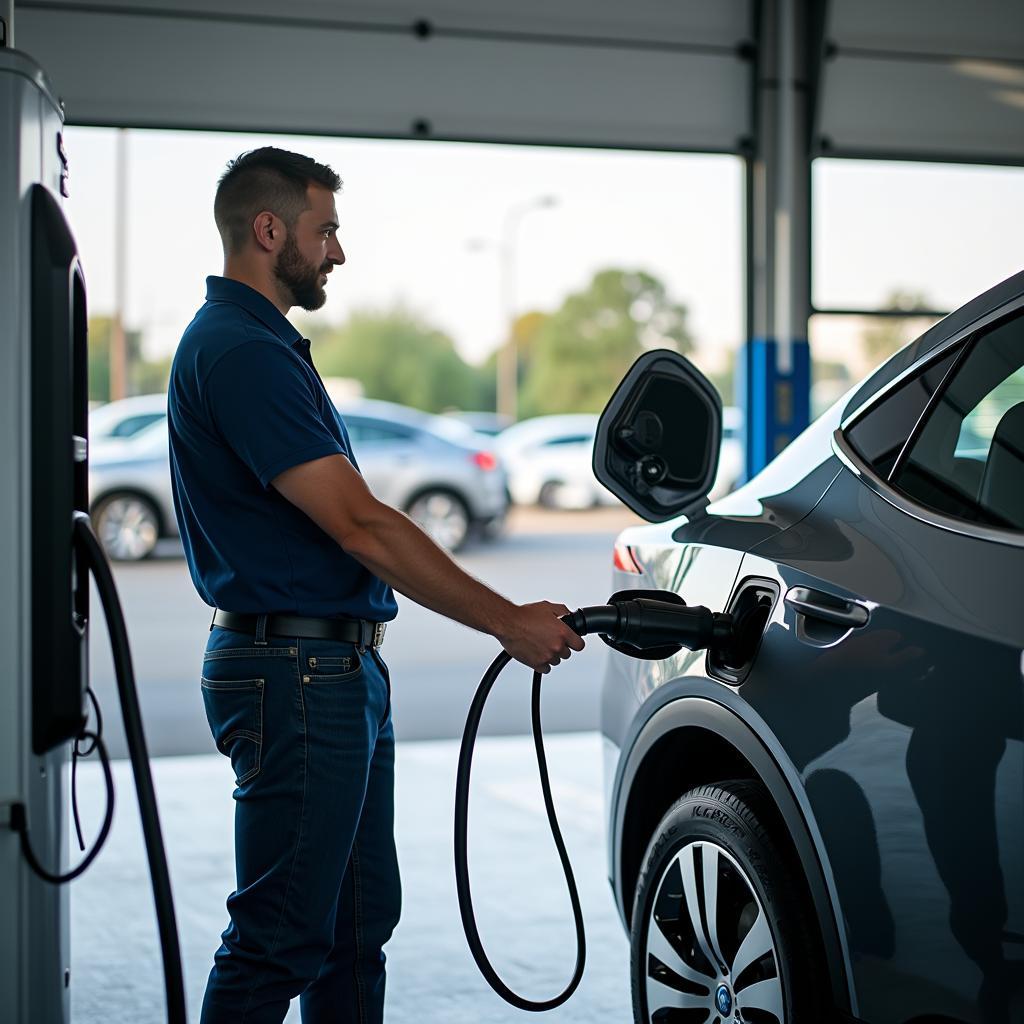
394	548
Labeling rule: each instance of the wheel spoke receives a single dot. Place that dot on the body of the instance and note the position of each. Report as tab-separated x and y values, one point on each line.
755	944
660	997
689	873
709	859
659	946
764	995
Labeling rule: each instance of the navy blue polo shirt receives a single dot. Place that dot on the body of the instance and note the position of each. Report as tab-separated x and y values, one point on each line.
244	404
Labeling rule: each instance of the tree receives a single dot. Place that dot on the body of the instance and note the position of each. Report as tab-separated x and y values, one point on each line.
882	336
144	376
581	351
398	357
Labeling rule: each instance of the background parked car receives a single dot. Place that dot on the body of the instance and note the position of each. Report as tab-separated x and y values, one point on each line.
550	460
489	423
821	818
428	467
118	421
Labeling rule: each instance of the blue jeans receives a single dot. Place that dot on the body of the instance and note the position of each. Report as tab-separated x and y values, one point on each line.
307	726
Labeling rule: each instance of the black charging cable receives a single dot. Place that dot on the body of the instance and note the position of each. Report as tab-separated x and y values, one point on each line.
76	753
461	844
19	818
174	983
641	624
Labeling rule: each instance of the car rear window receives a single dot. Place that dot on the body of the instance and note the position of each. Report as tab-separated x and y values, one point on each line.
879	434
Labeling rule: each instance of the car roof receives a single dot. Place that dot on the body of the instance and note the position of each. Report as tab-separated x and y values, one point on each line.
450	431
122	408
540	427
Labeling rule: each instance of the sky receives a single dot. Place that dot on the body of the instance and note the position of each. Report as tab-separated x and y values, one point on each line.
420	224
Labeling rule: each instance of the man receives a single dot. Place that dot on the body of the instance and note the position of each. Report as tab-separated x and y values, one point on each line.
284	539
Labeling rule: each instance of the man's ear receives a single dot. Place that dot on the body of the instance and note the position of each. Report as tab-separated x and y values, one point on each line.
268	231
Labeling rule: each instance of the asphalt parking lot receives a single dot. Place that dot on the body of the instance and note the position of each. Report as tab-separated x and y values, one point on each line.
524	914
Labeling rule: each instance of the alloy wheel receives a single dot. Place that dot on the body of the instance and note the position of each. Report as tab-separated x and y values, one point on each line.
709	946
127	527
443	516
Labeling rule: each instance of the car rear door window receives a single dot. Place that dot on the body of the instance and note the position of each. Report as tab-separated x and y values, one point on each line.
967	459
362	430
133	425
879	435
565	439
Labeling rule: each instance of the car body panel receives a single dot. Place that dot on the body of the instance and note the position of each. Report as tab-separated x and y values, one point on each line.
900	741
896	728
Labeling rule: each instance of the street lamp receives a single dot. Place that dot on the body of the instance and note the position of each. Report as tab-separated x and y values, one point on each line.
508	356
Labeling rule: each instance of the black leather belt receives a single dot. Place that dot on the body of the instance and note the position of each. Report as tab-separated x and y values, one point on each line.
356	631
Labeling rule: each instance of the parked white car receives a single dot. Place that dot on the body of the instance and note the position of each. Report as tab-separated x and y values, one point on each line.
549	460
121	420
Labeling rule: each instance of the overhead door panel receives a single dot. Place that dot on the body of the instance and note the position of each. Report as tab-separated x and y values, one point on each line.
172	70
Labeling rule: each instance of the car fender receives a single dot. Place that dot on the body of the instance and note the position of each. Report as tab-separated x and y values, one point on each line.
704	704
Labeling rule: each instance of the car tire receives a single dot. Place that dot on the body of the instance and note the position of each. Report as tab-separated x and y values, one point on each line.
549	494
128	526
443	515
753	959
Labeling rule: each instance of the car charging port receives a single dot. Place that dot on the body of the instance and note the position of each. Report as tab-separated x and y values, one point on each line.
750	609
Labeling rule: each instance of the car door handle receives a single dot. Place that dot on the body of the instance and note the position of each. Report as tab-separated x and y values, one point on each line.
827	607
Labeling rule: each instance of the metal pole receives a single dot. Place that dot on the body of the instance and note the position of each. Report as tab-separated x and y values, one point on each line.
776	370
508	355
118	344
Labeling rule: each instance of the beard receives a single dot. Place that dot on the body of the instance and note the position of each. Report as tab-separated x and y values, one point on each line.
300	278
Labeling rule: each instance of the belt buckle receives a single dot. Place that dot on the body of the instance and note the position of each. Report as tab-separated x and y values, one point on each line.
378	634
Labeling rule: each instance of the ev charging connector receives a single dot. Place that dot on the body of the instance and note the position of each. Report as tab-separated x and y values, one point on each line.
648	624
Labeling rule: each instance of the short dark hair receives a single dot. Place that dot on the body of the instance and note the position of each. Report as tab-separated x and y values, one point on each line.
265	179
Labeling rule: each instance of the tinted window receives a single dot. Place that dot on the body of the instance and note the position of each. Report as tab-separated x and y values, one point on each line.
569	439
968	459
376	430
133	424
880	434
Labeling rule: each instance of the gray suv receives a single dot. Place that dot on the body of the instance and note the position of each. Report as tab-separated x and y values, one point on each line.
822	819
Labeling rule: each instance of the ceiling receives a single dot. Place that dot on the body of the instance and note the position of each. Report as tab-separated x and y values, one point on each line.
918	79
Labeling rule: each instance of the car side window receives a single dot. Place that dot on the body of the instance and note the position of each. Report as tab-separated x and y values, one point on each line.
362	431
552	442
967	460
134	424
880	434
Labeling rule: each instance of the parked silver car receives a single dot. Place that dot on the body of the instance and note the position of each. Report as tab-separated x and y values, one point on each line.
422	464
429	467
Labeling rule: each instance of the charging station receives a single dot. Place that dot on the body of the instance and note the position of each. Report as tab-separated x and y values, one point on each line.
42	410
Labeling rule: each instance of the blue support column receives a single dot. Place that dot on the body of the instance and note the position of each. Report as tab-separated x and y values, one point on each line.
777	402
774	372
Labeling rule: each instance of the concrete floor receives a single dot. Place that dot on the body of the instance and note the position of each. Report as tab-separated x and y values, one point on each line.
519	895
